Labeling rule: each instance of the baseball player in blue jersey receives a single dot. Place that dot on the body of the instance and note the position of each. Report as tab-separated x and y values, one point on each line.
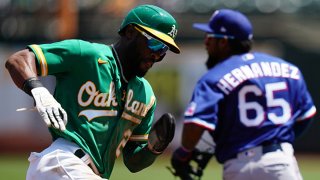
253	104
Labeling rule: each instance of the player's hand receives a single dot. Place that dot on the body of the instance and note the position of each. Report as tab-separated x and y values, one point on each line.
180	163
49	109
161	134
182	166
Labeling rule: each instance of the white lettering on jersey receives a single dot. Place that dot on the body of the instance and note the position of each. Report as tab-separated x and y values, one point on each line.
224	86
265	66
98	99
257	71
275	68
137	107
238	75
294	72
231	80
93	96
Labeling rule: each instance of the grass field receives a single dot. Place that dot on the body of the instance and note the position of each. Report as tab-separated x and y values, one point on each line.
13	167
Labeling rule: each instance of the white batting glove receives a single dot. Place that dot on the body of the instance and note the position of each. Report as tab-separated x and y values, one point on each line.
49	109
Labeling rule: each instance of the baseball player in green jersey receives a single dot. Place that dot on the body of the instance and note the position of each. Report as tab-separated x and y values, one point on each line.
101	106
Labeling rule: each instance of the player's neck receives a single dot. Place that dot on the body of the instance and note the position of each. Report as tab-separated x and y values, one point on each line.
120	62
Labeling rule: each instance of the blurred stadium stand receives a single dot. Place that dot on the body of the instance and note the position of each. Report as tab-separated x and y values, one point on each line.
286	28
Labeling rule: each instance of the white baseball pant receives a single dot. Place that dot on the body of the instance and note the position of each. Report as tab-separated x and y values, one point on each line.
58	161
252	164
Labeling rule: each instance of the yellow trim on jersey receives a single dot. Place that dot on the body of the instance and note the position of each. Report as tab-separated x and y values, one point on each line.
42	59
139	137
130	118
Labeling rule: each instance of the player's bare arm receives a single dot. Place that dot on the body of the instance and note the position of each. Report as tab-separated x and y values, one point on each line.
22	68
191	135
187	152
138	156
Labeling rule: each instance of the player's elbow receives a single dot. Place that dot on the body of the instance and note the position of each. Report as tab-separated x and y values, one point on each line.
136	157
20	60
10	63
136	166
133	169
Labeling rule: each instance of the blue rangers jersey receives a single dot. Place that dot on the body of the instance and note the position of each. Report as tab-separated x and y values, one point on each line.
248	100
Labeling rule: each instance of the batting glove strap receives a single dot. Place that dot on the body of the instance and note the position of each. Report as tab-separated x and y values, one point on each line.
182	154
30	84
49	109
161	134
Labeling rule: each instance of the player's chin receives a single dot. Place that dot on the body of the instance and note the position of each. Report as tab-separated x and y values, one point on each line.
142	73
144	68
211	62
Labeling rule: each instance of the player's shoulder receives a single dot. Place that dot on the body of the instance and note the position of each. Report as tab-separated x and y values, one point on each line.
95	49
261	56
83	46
140	82
141	86
92	46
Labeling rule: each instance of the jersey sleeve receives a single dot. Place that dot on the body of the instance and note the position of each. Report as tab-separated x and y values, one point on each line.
203	106
139	108
141	132
56	57
305	106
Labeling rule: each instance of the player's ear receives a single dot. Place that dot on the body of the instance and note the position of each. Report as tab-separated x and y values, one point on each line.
130	32
224	42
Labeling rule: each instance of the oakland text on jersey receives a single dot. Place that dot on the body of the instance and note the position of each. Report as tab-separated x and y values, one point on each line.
93	96
236	76
98	100
137	107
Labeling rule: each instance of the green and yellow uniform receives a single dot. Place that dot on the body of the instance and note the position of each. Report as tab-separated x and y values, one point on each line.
104	111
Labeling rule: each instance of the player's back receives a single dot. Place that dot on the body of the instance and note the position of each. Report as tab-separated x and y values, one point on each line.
262	97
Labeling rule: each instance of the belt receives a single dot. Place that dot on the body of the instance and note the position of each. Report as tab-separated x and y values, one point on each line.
265	149
86	159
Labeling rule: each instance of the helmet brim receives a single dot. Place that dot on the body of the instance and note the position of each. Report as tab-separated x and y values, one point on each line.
166	39
203	27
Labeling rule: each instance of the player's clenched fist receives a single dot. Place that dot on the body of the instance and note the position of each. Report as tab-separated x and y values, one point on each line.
161	134
49	109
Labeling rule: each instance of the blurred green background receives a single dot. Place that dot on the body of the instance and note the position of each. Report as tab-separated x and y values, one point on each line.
285	28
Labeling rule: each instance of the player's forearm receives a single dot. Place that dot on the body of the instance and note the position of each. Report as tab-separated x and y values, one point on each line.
137	157
21	67
191	135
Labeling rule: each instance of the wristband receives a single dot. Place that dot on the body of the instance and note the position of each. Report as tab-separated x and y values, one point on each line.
31	83
183	154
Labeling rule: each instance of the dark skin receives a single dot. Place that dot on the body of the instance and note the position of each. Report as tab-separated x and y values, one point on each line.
218	50
21	66
135	57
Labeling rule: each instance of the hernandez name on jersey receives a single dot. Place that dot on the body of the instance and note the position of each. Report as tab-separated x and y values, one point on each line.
264	68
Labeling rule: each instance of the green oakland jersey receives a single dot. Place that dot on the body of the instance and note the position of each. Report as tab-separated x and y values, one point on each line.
103	111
